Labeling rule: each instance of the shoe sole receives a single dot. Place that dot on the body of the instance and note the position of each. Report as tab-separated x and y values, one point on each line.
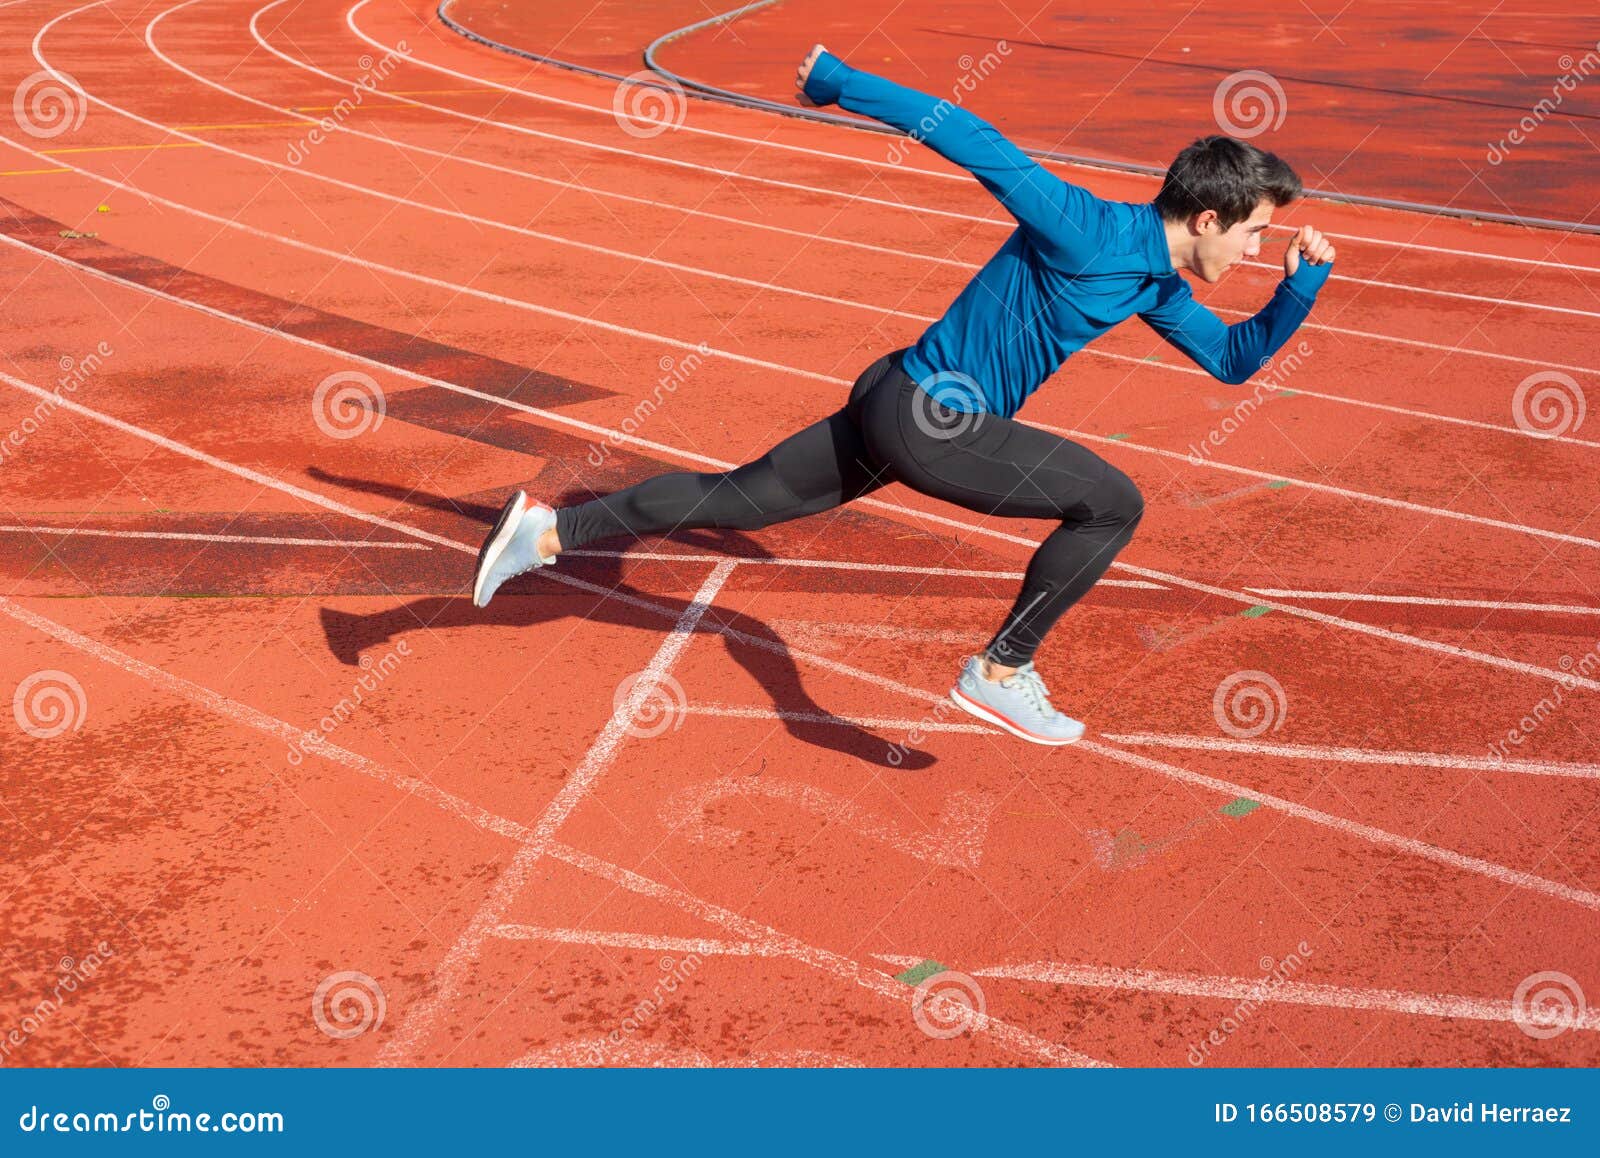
495	544
989	715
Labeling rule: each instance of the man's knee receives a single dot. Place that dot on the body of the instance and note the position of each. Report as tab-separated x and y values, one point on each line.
1117	501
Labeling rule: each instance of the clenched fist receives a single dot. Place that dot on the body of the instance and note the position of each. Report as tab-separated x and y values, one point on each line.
1317	248
803	74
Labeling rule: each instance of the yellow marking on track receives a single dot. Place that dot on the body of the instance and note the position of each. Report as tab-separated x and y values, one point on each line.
31	172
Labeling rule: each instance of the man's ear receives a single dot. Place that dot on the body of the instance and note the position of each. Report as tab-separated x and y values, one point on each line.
1206	221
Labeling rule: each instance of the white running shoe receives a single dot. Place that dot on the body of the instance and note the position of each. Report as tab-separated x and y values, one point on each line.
512	547
1020	704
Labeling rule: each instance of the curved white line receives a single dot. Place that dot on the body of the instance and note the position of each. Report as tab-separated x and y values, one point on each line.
350	21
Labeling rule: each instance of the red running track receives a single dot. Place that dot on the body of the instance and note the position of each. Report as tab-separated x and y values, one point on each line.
267	757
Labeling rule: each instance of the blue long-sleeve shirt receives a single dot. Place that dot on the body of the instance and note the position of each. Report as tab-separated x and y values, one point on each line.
1075	266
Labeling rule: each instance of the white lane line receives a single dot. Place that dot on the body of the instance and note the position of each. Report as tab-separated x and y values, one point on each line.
1499	661
1274	991
1010	1036
647	942
1471	864
348	544
735	712
291	736
1543	262
1326	488
843	565
876	162
1427	601
1360	755
414	1030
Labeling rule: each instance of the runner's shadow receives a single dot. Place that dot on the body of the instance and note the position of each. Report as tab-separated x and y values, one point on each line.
769	661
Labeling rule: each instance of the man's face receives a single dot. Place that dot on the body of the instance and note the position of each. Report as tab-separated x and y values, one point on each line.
1218	250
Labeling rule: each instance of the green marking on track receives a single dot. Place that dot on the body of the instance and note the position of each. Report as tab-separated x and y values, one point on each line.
1288	393
1279	485
1118	437
1255	612
917	974
1239	806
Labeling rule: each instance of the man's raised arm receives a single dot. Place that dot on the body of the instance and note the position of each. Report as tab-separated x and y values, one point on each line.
1060	217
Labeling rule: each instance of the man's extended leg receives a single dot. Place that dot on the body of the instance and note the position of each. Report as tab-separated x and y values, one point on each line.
813	470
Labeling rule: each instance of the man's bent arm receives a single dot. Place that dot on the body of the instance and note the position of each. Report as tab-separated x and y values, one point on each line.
1233	353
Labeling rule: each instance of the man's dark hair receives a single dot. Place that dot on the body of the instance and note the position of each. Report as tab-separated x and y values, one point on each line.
1228	175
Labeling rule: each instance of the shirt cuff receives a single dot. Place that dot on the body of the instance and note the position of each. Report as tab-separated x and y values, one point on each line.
826	83
1307	279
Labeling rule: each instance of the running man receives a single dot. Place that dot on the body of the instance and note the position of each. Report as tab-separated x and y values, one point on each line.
938	415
